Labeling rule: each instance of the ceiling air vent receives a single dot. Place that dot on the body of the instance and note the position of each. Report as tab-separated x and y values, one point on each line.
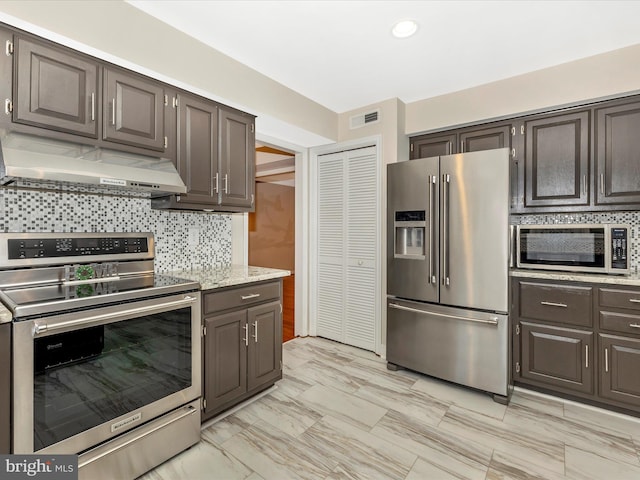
363	119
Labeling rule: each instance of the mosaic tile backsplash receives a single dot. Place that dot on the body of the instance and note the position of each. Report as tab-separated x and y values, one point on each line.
632	218
72	211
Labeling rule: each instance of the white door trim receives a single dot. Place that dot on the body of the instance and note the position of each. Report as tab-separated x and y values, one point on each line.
312	173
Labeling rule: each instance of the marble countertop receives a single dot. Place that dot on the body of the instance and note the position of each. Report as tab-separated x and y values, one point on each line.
228	276
5	314
632	280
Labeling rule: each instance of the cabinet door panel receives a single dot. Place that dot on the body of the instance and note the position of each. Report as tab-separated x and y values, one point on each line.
225	359
557	160
133	110
265	344
197	154
617	155
237	159
619	378
559	357
433	146
55	89
485	139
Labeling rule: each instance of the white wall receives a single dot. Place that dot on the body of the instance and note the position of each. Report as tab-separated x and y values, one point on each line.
117	32
599	76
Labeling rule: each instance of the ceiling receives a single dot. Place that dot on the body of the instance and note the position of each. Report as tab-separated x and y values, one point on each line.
341	53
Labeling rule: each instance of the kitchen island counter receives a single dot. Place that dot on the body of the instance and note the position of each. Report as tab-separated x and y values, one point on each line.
218	277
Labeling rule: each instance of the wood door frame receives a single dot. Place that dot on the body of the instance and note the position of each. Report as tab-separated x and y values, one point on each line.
240	232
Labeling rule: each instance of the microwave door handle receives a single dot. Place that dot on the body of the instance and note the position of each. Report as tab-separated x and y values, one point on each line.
432	209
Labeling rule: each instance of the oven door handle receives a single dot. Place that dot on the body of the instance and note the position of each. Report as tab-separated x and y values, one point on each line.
41	327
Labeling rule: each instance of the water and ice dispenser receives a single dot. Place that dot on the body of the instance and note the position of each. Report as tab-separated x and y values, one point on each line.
410	230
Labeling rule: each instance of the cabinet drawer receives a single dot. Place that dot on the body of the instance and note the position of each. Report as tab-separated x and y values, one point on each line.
556	303
240	296
620	322
615	298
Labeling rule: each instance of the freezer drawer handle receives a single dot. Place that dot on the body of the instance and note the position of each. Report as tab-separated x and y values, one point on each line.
552	304
493	321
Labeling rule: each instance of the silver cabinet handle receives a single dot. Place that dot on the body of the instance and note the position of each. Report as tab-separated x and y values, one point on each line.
247	297
226	183
113	111
246	334
432	208
215	183
634	325
606	360
602	183
461	146
445	230
93	107
584	184
492	321
552	304
586	356
634	300
255	329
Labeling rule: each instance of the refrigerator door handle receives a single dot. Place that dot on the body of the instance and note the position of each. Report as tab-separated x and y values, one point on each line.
445	229
492	321
432	207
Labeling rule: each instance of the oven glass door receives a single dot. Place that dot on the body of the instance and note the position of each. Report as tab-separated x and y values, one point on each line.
105	375
569	247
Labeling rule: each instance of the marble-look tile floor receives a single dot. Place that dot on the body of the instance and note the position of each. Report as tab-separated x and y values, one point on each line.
338	413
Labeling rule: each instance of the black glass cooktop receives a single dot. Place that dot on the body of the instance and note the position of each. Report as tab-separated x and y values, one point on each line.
55	298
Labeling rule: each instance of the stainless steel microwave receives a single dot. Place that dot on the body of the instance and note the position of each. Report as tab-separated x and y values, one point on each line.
595	248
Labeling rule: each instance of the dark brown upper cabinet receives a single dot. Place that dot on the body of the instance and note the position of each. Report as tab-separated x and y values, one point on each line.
133	109
433	145
55	89
198	150
237	158
617	156
556	160
475	140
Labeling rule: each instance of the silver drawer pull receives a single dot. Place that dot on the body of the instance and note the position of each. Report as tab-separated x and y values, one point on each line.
552	304
634	325
634	300
247	297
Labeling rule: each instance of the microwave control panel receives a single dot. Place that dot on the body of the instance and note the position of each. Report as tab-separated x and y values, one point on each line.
619	248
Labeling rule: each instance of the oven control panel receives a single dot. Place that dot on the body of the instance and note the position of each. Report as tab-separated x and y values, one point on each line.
25	248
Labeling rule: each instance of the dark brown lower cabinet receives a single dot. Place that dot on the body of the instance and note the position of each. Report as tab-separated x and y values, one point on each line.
556	356
620	372
556	352
242	344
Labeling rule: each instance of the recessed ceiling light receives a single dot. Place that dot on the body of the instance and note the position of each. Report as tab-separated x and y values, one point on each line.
404	28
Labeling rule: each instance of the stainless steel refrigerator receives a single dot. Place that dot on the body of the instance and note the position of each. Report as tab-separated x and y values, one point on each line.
447	268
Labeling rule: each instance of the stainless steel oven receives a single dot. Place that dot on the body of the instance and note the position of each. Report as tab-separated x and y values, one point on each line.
107	355
597	248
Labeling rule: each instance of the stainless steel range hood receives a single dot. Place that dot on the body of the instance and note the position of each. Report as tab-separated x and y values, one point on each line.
35	159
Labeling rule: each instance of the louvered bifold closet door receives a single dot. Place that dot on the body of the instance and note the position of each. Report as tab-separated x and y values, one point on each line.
362	248
331	235
348	248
